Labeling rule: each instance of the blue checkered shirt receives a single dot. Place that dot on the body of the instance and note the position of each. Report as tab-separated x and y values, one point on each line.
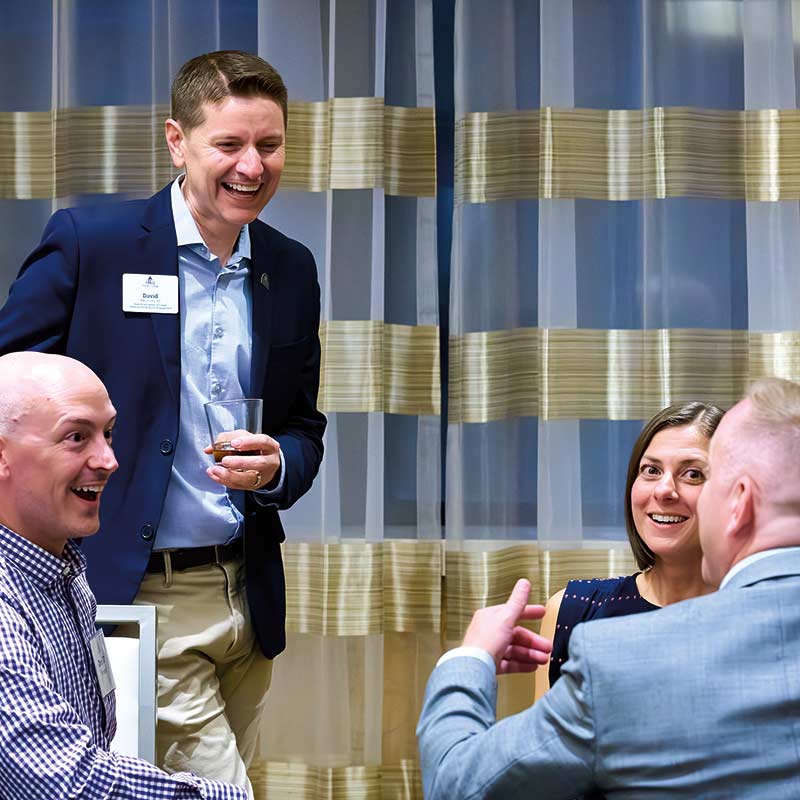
55	726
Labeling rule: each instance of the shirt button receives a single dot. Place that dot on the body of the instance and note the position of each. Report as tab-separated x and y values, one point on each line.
218	332
66	571
147	532
166	447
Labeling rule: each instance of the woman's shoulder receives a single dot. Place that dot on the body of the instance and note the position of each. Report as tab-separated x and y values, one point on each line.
580	601
593	587
593	597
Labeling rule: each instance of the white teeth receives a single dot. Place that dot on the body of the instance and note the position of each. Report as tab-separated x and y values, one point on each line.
667	519
95	489
242	187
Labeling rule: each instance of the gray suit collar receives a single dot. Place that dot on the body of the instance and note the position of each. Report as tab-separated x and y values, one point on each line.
779	565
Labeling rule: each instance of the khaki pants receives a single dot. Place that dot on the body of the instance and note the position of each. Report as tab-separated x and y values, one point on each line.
212	676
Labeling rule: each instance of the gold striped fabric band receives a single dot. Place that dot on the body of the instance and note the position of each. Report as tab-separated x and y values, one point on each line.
612	154
89	150
343	143
359	143
484	578
372	366
608	374
400	781
361	588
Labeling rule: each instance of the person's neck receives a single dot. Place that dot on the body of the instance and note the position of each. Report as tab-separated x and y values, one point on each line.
219	239
220	243
778	527
54	546
666	583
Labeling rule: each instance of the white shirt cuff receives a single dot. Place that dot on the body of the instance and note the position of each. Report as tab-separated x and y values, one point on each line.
470	652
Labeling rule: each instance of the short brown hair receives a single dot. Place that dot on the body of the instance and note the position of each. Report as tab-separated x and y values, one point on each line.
212	77
705	417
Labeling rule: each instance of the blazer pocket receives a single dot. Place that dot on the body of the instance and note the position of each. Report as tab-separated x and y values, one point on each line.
284	368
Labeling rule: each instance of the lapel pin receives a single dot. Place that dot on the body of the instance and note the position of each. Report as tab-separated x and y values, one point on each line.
265	280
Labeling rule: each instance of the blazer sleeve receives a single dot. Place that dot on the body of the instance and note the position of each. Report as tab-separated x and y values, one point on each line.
300	436
38	311
546	751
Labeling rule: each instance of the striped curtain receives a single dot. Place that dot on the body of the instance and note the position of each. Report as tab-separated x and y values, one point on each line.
624	228
81	120
364	550
625	235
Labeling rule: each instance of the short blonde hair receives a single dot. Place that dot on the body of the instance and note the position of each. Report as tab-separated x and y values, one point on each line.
775	403
767	440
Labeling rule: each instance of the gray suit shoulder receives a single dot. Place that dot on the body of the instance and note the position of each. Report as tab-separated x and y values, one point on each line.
675	692
616	636
695	617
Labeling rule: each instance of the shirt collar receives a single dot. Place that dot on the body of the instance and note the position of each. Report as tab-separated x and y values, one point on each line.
187	233
41	566
751	559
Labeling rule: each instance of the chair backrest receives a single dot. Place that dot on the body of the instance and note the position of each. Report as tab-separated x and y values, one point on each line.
133	663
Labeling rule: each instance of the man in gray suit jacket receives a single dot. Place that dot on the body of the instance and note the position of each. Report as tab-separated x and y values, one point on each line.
700	699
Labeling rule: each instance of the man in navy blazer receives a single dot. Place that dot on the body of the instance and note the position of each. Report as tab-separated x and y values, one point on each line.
174	301
698	699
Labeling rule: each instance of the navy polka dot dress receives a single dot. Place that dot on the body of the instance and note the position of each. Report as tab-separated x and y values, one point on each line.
588	600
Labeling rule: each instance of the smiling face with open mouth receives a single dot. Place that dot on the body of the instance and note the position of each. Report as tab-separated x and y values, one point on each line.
664	495
57	460
233	162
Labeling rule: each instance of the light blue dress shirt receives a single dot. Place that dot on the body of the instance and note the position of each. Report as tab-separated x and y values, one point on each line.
216	348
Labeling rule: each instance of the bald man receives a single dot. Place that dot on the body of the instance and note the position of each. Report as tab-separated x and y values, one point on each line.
698	699
57	712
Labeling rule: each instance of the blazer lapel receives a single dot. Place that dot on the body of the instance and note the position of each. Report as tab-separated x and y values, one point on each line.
160	255
261	260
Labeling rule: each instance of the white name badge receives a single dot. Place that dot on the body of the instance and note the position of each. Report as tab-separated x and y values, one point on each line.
153	294
102	666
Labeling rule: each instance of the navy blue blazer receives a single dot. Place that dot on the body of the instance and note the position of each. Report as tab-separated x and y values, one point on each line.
67	299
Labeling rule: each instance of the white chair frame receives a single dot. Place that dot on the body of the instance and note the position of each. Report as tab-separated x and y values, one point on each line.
144	617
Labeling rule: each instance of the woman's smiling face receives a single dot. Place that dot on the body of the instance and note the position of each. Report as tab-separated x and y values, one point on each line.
664	495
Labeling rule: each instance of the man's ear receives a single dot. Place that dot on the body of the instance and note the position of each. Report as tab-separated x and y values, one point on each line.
176	140
5	470
742	511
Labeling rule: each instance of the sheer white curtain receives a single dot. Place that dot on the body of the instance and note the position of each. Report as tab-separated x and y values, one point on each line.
379	481
771	36
624	234
81	120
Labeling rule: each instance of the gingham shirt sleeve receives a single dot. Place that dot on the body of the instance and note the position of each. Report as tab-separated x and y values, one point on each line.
48	751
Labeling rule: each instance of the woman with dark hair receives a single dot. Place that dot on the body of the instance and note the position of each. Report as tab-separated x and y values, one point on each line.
666	472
